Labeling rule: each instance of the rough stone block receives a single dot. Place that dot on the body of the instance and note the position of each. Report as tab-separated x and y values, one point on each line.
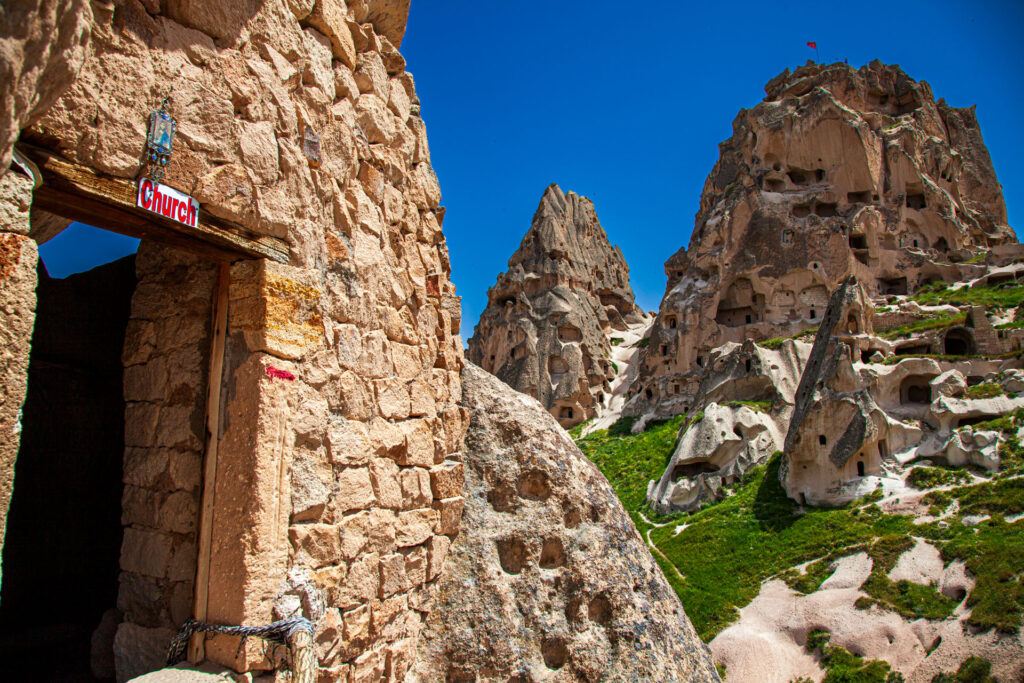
446	479
384	475
450	512
419	444
139	650
392	575
362	582
437	551
416	492
145	552
392	398
389	617
368	667
348	441
320	542
357	630
416	565
415	526
353	490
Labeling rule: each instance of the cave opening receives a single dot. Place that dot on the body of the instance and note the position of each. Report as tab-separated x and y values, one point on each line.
958	342
62	546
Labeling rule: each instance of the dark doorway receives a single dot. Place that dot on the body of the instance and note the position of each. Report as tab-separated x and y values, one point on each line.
61	552
958	342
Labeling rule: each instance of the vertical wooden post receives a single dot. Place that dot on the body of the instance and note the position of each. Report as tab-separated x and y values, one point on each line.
196	649
304	666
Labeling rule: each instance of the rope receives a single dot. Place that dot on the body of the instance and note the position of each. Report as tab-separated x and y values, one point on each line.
278	632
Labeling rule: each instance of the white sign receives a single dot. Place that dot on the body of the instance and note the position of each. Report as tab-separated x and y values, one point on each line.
167	202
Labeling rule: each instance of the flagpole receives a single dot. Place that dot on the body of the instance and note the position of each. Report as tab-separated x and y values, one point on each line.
817	57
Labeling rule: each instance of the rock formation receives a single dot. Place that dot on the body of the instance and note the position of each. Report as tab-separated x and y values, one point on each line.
854	422
291	363
838	171
548	322
548	579
728	436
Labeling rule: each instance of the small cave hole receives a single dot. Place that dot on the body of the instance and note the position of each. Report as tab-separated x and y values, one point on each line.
600	610
534	485
915	390
801	211
552	554
822	440
825	210
958	342
916	201
860	468
502	498
859	197
554	652
799	177
895	285
513	555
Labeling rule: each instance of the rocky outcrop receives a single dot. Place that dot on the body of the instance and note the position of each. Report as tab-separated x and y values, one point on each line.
42	47
548	322
838	171
548	579
724	437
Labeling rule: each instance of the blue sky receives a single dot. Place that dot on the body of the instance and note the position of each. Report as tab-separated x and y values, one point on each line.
627	104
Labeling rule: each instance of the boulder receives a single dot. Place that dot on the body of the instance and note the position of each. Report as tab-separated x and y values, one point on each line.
548	578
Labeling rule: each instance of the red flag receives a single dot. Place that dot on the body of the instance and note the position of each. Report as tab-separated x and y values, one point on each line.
813	45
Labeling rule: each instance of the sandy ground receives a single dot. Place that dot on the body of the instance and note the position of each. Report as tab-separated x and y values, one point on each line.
623	355
766	644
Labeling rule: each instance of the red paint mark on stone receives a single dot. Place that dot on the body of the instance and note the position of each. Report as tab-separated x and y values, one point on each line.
277	373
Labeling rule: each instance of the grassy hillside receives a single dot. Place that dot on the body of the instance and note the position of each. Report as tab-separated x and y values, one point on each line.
716	558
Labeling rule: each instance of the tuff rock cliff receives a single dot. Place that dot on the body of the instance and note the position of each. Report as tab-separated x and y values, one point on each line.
838	171
550	318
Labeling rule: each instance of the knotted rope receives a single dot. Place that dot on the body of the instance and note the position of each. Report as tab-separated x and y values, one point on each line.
278	632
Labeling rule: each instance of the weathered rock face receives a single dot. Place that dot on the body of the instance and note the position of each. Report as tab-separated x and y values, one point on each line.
853	422
18	258
42	47
549	579
837	432
726	437
546	328
838	171
338	429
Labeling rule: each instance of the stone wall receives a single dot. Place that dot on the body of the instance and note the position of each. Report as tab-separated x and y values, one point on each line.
166	363
338	479
18	258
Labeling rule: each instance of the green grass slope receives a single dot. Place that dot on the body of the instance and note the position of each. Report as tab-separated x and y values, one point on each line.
716	558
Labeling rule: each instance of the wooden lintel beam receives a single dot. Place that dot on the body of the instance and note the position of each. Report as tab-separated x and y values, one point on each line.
80	194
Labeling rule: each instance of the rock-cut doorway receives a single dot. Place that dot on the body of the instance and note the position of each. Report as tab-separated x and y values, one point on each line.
61	551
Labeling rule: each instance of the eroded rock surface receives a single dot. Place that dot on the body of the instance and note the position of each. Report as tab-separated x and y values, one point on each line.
838	171
548	579
549	319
